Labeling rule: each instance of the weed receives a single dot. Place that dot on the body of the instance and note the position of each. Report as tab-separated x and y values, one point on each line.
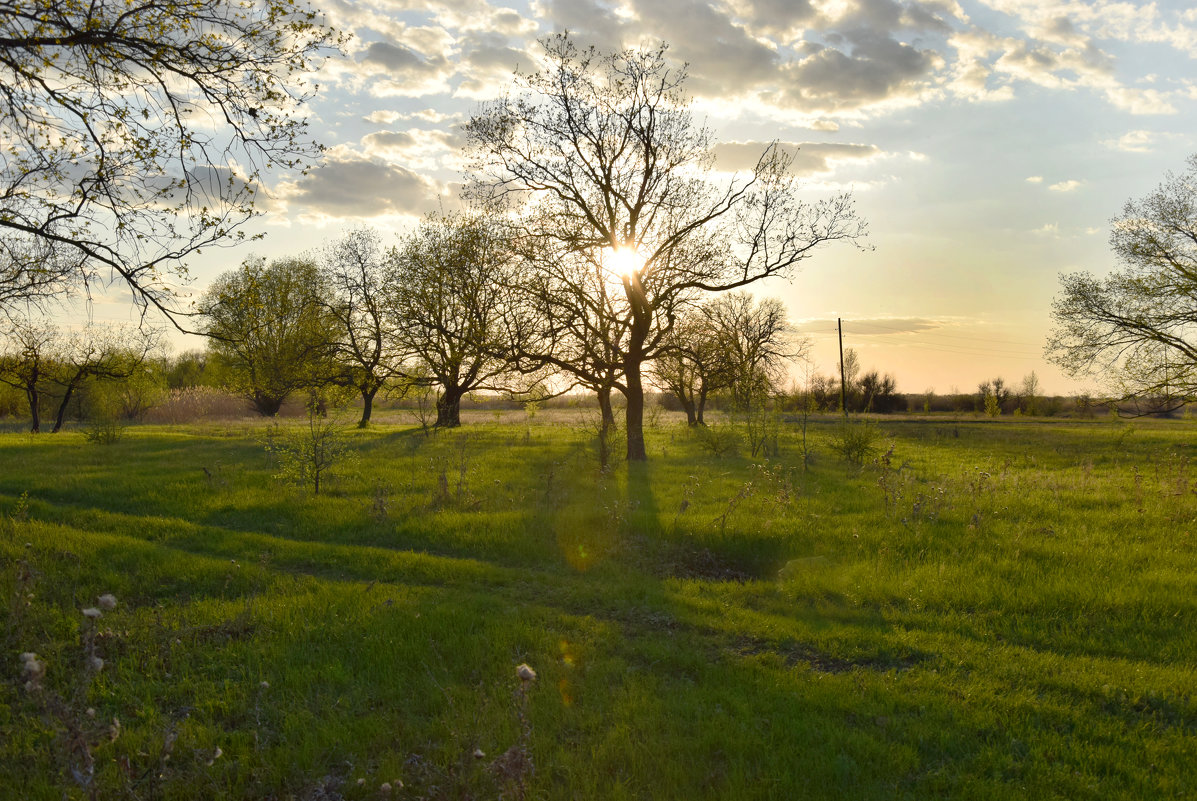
718	441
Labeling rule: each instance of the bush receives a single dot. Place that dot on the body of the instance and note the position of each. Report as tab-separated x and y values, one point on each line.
855	441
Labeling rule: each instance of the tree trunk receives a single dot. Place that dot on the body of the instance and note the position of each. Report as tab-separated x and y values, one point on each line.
604	402
702	404
635	412
688	406
267	405
448	408
62	407
367	407
34	412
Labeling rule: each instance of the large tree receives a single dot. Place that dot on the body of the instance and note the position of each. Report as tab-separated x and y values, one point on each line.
270	330
604	151
447	288
135	132
354	270
1138	325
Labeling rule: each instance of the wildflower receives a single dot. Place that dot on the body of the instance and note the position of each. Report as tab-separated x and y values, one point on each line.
107	601
385	787
92	612
479	754
265	685
95	663
360	782
525	673
34	670
215	756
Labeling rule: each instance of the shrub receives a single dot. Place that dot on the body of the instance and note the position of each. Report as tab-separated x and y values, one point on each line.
855	441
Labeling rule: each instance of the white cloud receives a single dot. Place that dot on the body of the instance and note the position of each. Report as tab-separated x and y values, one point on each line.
1133	142
1066	186
1035	179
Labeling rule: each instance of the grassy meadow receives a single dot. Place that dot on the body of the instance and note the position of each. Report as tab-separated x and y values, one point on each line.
984	609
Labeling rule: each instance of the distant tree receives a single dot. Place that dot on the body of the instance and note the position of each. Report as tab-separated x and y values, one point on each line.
879	393
689	365
754	343
50	364
1135	327
97	353
269	330
564	316
604	150
1028	394
188	369
354	271
121	120
447	281
992	396
850	390
27	356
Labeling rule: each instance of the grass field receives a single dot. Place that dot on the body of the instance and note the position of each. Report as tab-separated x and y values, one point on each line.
985	609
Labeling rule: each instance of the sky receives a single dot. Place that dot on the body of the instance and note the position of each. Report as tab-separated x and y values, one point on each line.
987	142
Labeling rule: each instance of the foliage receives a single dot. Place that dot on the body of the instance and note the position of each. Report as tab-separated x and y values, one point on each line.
1134	327
136	132
855	440
270	331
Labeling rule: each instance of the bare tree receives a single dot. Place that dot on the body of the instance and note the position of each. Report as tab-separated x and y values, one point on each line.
755	343
564	315
1138	326
122	120
689	365
354	270
605	152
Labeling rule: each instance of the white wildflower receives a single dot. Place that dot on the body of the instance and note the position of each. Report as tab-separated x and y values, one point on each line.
92	612
95	663
107	601
479	753
525	673
384	788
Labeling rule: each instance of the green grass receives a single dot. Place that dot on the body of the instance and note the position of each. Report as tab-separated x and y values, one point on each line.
995	609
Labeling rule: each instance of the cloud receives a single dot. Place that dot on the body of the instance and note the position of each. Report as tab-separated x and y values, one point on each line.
876	68
1134	142
880	326
809	157
426	150
349	184
1066	186
1035	179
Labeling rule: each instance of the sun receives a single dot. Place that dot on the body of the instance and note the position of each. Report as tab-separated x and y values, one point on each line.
623	261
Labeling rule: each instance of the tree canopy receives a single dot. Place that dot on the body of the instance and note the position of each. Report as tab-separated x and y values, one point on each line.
135	132
1138	326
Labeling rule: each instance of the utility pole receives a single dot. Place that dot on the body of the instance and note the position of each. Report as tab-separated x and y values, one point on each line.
839	326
